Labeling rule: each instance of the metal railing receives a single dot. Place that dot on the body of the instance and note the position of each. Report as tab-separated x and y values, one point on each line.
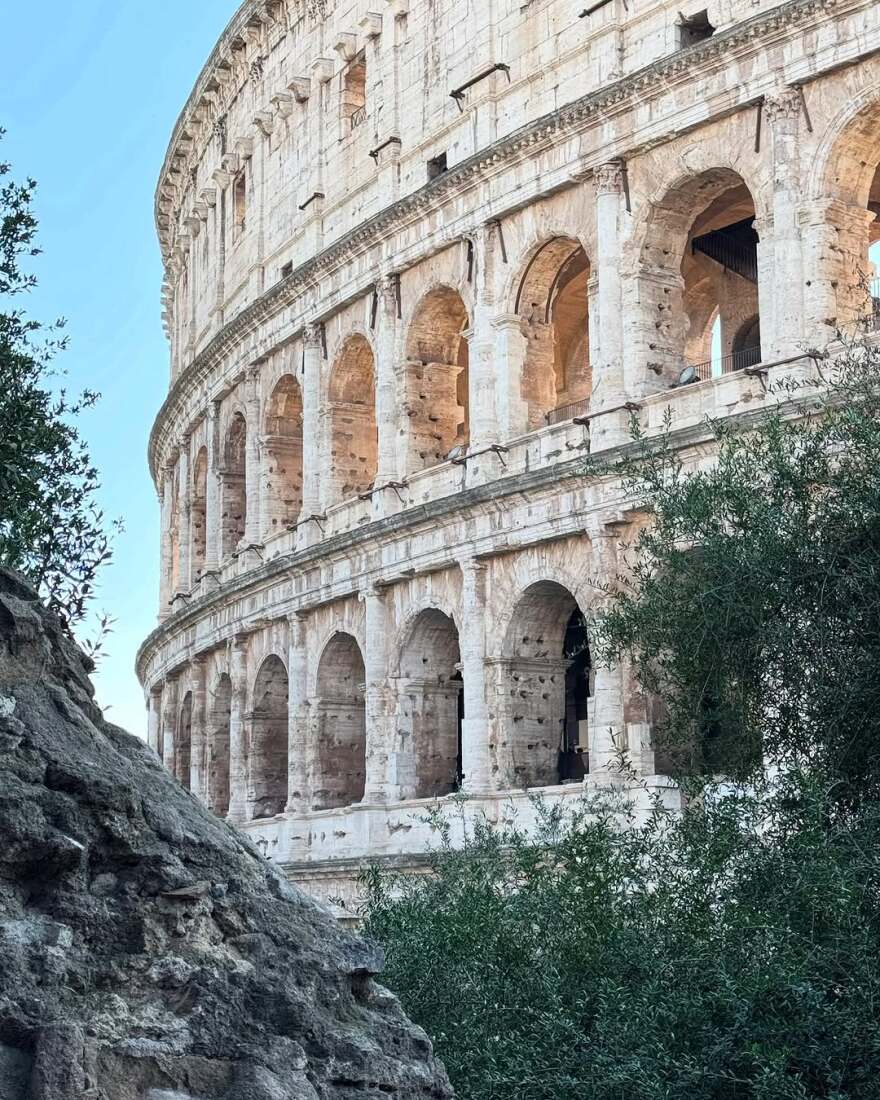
727	364
358	117
568	412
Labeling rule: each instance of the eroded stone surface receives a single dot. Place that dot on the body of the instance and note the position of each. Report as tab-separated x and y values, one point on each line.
146	949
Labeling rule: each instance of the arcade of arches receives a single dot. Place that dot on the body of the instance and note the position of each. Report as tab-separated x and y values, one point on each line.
239	747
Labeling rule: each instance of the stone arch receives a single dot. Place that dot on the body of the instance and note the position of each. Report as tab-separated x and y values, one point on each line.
339	711
746	343
233	512
283	440
437	359
430	703
199	513
699	252
845	219
543	685
183	742
552	302
219	715
353	432
267	751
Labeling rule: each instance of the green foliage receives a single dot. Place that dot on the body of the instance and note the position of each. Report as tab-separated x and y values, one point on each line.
51	528
730	954
733	950
753	605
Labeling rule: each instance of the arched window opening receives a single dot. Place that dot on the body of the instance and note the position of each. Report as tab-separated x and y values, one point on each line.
234	479
437	395
354	436
342	726
545	683
183	743
198	513
746	348
553	304
720	274
267	759
699	264
219	713
431	704
283	440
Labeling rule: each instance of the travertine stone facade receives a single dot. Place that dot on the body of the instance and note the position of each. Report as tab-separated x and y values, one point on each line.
421	259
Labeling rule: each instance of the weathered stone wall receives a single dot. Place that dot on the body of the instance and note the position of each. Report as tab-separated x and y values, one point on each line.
386	376
147	950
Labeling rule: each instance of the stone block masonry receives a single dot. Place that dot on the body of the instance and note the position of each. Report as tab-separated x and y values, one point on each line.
400	320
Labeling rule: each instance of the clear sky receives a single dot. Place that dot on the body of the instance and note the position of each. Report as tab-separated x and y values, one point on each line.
89	93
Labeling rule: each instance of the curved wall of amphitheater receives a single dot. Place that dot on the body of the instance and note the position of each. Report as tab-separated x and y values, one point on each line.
400	320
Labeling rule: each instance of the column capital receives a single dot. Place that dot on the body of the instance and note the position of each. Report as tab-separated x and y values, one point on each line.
311	336
781	104
388	293
609	178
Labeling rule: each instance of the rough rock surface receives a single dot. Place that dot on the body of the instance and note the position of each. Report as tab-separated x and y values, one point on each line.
147	951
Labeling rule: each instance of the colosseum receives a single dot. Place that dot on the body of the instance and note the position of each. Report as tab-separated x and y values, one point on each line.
423	258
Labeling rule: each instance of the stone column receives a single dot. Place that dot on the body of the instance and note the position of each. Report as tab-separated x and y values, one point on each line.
606	721
610	384
472	641
782	331
166	501
154	717
387	399
252	532
510	360
237	751
169	721
298	795
384	779
212	500
184	583
481	341
198	776
311	393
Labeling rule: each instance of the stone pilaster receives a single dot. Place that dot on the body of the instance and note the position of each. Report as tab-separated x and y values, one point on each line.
472	641
298	794
212	500
253	480
510	360
184	504
782	330
383	770
481	341
169	721
610	383
237	754
311	392
198	782
166	502
387	399
154	717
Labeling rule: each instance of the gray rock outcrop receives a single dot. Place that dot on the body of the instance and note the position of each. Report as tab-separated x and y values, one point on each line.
147	950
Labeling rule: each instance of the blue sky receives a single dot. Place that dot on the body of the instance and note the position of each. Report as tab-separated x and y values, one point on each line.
90	92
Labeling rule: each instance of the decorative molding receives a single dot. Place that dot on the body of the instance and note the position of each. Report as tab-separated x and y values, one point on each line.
346	45
323	69
371	25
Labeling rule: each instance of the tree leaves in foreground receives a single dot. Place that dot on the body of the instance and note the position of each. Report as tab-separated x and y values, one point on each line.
51	527
731	952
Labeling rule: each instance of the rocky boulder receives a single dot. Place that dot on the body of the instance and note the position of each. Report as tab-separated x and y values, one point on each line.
147	950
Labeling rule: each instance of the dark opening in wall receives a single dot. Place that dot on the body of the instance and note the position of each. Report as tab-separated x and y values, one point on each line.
287	270
239	200
354	91
437	166
693	28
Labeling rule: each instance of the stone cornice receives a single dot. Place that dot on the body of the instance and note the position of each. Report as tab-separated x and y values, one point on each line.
616	97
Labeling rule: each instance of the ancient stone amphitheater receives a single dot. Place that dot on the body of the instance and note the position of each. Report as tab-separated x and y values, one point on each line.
422	258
